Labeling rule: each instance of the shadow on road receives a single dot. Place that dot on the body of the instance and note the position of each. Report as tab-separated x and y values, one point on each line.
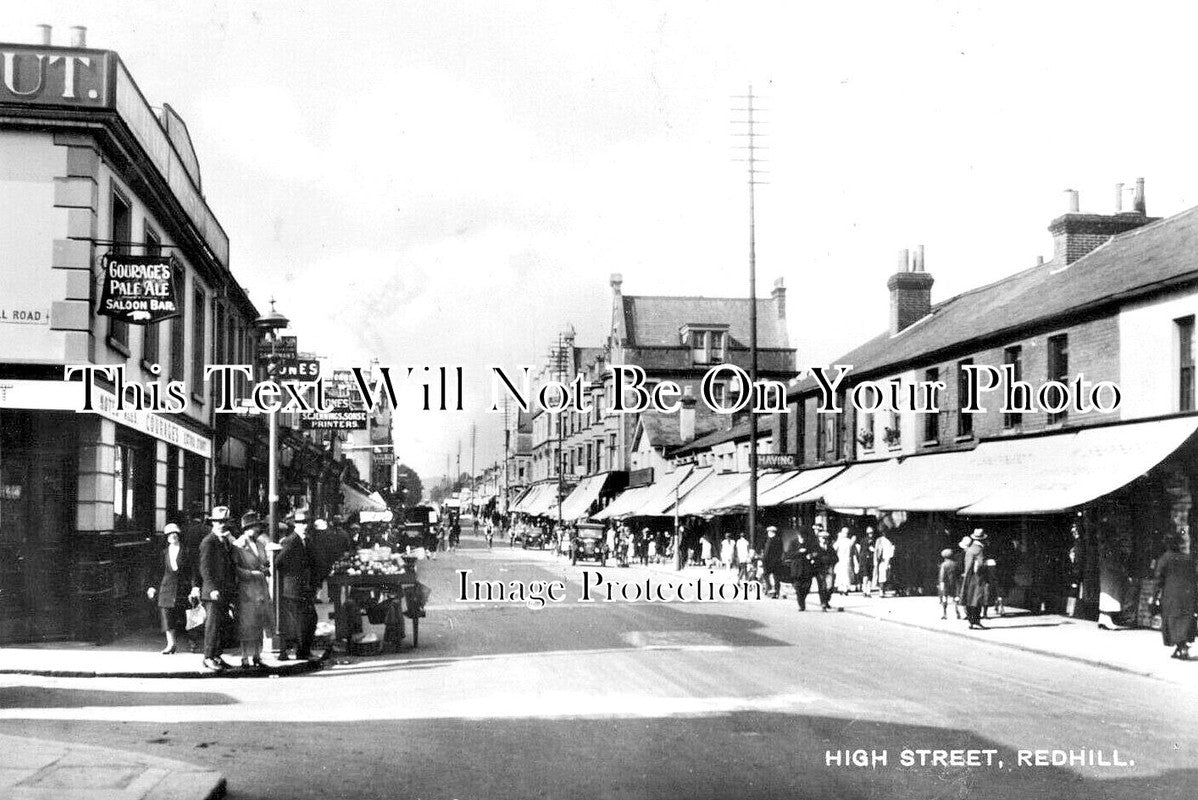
43	697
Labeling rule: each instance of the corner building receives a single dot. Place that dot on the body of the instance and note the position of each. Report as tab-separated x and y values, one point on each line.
89	168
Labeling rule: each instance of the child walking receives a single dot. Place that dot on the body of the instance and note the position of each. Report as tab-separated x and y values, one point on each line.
950	573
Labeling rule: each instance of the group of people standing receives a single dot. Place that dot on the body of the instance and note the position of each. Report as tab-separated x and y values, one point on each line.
227	574
849	563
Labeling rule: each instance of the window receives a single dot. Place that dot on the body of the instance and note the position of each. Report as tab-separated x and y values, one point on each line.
866	436
719	391
1058	369
178	329
716	339
150	344
964	418
133	487
1013	357
173	512
707	346
121	234
894	431
197	341
931	419
1185	363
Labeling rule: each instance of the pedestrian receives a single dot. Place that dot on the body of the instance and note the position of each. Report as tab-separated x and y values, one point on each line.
743	555
865	561
883	559
947	582
218	589
653	551
974	580
707	550
825	567
727	551
490	534
1177	594
772	561
175	591
643	546
254	618
807	564
298	572
844	560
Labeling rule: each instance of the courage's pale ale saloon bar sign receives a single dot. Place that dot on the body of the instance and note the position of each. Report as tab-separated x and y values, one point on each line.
138	289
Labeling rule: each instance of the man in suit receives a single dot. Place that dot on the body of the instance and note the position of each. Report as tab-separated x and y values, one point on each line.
771	561
299	569
218	585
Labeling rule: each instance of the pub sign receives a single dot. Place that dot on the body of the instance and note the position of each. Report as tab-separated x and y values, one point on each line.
139	290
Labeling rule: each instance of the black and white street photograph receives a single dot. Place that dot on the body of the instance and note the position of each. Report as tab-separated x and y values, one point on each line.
524	400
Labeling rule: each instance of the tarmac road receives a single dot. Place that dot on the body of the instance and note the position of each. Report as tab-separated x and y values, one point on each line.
652	700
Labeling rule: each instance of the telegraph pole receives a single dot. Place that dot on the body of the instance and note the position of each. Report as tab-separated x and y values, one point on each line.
473	485
752	134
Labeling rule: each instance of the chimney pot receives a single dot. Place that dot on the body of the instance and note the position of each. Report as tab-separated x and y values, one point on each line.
918	265
1074	201
904	261
78	36
1139	206
1039	261
1118	198
47	33
617	279
779	296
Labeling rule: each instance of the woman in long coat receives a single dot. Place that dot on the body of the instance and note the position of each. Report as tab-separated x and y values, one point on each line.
174	588
845	574
254	617
1177	587
975	580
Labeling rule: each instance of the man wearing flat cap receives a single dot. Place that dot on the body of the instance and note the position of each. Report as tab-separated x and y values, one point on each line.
299	569
218	585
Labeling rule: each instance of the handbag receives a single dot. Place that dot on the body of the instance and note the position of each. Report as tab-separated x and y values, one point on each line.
196	616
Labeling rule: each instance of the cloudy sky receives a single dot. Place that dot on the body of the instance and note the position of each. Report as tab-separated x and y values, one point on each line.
452	183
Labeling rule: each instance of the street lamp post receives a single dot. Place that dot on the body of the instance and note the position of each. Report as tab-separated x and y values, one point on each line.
270	325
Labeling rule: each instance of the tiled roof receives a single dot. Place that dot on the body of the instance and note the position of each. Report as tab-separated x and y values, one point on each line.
663	429
1130	263
655	321
765	427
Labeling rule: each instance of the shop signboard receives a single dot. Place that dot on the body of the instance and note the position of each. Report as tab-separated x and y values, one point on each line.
139	290
777	461
43	76
303	369
282	350
344	416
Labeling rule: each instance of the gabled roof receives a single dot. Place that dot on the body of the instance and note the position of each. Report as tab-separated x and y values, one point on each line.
1139	261
653	321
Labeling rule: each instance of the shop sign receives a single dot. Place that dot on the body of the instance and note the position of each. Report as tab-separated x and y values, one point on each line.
777	461
151	424
54	77
139	290
284	350
303	369
344	416
383	458
640	477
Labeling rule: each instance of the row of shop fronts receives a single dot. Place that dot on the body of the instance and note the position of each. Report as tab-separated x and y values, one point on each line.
1070	514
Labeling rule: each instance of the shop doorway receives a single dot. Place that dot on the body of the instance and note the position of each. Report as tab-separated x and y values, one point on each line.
38	466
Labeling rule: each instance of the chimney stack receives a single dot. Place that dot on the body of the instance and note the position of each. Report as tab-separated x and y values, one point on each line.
910	292
686	415
917	259
779	295
47	34
1075	234
78	36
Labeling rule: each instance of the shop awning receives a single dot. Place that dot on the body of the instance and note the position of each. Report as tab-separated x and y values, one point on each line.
625	503
663	493
579	501
700	500
540	500
796	484
360	498
737	501
1045	474
663	506
843	489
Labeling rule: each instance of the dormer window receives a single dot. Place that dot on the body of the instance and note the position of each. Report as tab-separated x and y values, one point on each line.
706	342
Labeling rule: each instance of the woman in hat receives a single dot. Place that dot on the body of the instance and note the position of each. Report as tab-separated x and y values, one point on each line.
254	618
1177	590
174	588
975	580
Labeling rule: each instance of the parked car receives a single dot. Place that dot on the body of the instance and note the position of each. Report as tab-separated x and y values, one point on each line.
589	544
534	537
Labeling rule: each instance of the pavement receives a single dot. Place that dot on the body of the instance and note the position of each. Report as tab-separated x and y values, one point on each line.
35	769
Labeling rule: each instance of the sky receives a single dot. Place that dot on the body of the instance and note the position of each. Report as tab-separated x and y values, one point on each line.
428	183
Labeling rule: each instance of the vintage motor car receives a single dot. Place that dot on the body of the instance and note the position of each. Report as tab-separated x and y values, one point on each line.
588	544
534	537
